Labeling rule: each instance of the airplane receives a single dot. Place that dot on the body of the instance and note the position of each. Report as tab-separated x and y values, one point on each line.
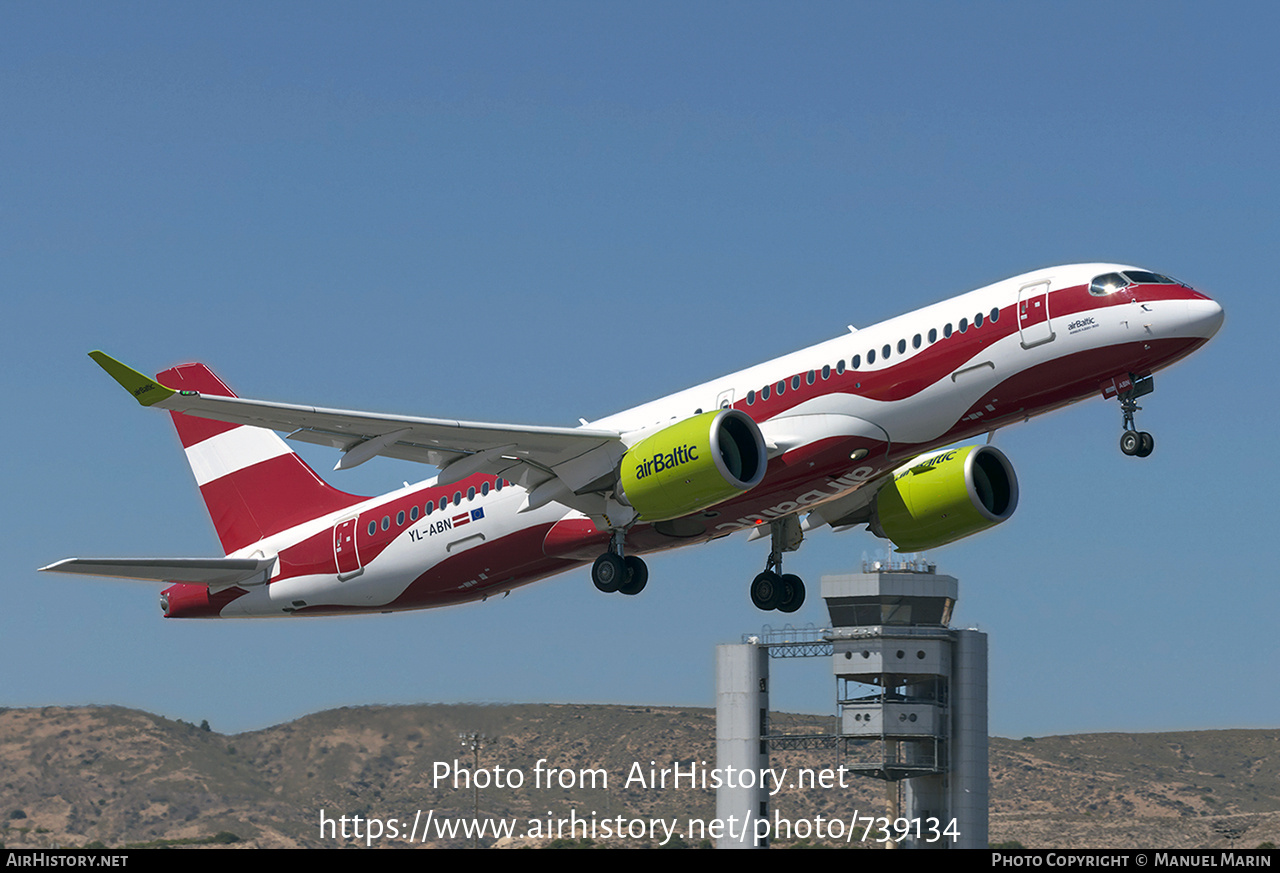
853	431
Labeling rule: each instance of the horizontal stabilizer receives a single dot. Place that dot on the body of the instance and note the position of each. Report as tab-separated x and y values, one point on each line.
216	573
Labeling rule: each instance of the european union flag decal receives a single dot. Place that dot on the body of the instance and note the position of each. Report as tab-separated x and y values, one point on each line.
477	514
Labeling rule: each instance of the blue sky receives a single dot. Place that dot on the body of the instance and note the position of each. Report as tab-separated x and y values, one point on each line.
540	212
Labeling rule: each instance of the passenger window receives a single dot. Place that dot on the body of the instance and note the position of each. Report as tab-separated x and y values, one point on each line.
431	507
373	528
902	346
871	357
840	367
498	486
484	489
413	512
811	378
995	313
977	320
826	372
857	361
915	341
795	382
751	398
457	498
884	352
946	331
471	493
400	518
764	393
781	387
386	522
933	335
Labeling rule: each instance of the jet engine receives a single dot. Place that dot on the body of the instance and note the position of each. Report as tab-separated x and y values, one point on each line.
945	496
694	464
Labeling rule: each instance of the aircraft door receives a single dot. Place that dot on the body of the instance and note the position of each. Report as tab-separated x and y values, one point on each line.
1033	314
344	550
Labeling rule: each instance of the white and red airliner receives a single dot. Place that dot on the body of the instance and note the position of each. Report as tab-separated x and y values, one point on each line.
848	432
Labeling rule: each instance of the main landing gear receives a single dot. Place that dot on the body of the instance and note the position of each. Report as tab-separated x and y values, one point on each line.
1132	440
772	589
614	572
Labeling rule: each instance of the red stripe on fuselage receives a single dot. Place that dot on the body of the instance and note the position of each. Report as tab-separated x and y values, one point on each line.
933	363
313	556
1062	381
514	560
922	368
1077	300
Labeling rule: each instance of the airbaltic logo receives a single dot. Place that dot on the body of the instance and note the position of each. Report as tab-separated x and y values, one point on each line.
660	462
1081	325
833	488
937	459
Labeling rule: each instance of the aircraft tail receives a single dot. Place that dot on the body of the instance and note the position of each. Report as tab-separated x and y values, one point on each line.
252	483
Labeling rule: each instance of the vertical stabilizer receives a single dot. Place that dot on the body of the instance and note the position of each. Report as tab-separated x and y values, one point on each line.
253	484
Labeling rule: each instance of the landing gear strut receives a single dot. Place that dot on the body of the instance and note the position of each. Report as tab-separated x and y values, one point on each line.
614	572
772	589
1132	440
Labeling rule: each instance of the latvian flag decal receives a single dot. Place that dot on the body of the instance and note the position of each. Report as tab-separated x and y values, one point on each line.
464	517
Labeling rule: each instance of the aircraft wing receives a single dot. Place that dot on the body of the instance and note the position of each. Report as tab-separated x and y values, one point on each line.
571	460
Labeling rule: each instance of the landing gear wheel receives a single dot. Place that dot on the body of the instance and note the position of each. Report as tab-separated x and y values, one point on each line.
1134	441
638	573
609	572
1130	442
1147	444
766	589
792	594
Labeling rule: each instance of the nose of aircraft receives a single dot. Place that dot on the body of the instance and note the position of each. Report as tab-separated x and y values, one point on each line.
1204	316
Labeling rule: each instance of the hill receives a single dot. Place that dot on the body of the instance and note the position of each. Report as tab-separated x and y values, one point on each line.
115	776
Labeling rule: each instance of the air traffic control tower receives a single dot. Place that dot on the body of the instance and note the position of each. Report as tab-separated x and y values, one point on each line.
911	700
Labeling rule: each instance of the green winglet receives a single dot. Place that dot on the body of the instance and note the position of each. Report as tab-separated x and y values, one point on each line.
145	390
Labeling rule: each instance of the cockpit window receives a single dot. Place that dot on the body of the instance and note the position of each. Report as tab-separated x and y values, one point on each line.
1142	277
1108	283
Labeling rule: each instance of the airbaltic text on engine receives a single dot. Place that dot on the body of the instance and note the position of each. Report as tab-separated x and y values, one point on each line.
935	460
669	461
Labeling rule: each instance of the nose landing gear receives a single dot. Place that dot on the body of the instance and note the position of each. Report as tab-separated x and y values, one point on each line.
1132	440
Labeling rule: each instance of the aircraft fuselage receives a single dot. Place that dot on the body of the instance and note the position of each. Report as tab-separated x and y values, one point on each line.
836	415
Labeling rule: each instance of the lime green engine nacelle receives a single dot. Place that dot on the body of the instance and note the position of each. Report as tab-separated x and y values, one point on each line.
945	496
692	465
